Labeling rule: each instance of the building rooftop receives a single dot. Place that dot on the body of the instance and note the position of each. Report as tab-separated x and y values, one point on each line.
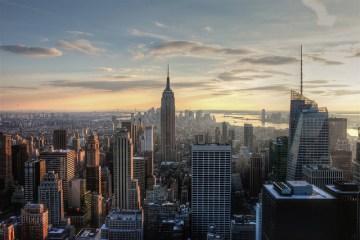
212	146
244	220
320	167
344	188
125	215
88	234
300	191
55	230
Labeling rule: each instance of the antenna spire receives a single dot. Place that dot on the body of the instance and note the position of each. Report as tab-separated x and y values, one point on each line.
168	77
301	71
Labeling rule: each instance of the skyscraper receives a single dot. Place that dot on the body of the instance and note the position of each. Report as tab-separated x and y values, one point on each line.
93	169
122	173
298	103
76	142
20	154
34	172
5	161
348	209
256	174
321	175
149	139
51	195
297	210
34	222
167	123
140	174
217	135
59	139
249	136
123	225
310	140
211	189
356	162
61	162
224	136
337	131
341	158
278	158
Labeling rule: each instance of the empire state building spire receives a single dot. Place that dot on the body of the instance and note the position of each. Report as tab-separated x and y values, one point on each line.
168	79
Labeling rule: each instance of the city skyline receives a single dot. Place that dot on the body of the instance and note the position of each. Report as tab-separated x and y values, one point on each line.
242	55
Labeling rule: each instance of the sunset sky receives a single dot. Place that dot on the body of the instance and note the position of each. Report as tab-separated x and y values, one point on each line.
90	55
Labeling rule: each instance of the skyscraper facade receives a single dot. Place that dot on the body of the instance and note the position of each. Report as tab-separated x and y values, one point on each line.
224	136
298	103
167	123
59	139
122	173
34	222
34	171
278	158
310	141
20	154
249	136
347	198
256	174
337	131
321	175
51	195
217	135
61	162
140	174
93	169
297	210
5	161
211	189
123	225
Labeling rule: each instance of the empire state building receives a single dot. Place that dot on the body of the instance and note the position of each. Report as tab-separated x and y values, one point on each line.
167	123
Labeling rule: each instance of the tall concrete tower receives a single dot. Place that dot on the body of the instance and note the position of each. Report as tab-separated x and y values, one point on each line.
125	188
167	123
51	195
93	170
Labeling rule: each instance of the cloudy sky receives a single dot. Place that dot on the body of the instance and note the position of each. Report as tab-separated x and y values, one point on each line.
231	54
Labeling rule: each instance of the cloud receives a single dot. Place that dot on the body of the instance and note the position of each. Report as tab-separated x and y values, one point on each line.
138	33
160	25
323	60
222	93
317	92
123	85
208	29
344	92
105	69
327	86
80	45
194	49
80	33
356	54
233	76
269	60
31	51
317	81
253	70
319	8
274	88
17	88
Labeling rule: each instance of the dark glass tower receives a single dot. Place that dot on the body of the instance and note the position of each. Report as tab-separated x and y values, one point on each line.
167	123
